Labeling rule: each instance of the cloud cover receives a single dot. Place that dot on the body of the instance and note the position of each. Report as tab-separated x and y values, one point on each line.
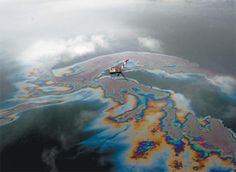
227	84
63	49
149	43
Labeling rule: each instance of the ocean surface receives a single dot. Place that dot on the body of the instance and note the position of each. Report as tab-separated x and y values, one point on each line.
48	138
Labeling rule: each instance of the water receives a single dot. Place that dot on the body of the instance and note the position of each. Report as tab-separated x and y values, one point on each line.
57	129
200	31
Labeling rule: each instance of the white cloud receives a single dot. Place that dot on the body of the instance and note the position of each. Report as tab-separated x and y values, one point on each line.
182	102
180	76
227	84
149	43
63	49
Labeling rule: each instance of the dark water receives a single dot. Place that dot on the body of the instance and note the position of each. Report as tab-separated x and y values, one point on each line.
26	154
49	138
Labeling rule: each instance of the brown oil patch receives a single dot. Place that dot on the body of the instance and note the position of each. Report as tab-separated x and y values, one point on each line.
176	165
147	157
